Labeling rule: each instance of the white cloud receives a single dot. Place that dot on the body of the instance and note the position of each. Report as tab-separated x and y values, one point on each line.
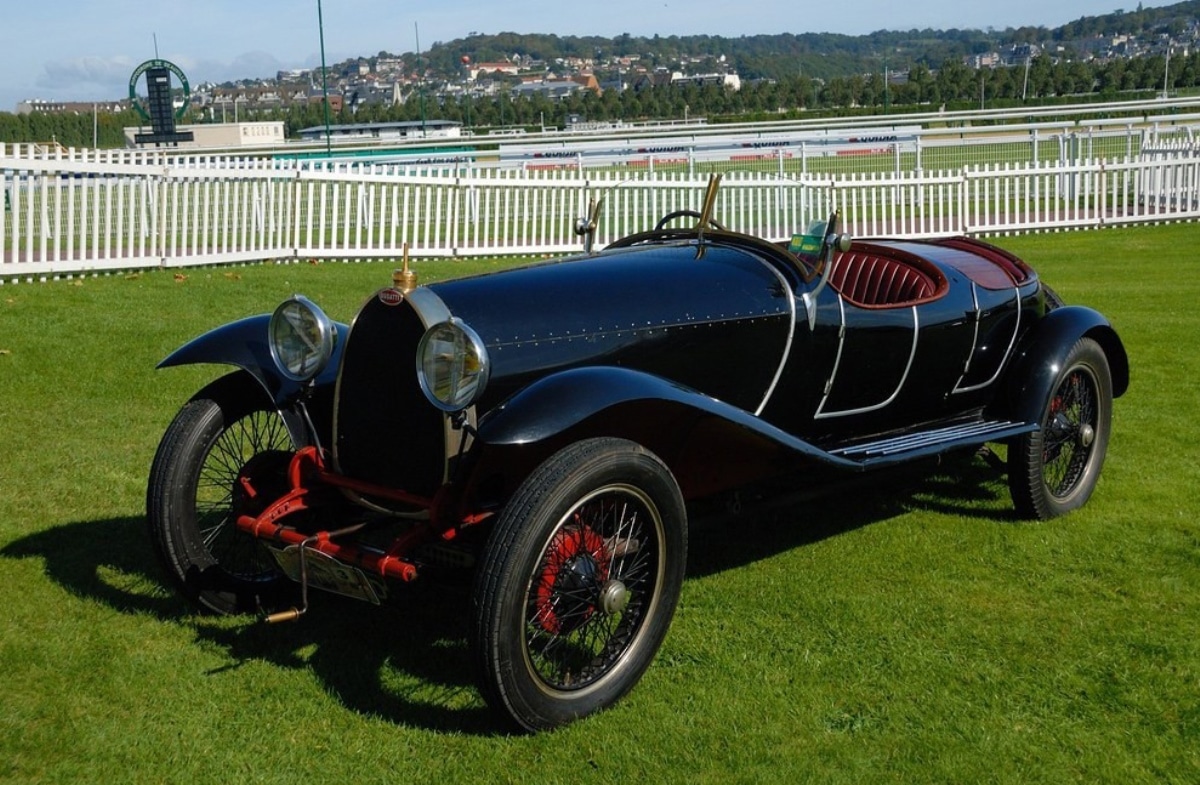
248	65
85	72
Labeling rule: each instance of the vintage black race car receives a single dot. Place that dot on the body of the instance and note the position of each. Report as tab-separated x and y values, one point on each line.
545	427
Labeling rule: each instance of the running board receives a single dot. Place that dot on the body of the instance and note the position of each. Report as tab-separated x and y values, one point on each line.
919	444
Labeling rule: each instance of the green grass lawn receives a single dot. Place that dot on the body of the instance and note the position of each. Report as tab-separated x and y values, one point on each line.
910	632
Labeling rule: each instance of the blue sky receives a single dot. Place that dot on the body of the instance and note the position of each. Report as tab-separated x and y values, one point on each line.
86	50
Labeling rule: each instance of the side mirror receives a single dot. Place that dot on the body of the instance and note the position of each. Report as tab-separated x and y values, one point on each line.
834	241
843	242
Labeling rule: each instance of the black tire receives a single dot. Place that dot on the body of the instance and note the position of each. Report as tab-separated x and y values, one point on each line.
193	498
578	583
1054	470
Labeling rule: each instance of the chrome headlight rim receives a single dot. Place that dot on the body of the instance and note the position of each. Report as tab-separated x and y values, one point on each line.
464	370
301	338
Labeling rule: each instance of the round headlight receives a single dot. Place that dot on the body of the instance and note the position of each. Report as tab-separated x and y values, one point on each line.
452	365
302	339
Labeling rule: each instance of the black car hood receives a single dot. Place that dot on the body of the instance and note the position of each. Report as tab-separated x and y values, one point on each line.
718	319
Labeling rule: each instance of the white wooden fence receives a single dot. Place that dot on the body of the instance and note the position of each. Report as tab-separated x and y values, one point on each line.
68	212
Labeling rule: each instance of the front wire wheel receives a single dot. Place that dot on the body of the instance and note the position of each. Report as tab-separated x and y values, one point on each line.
227	432
1054	469
578	583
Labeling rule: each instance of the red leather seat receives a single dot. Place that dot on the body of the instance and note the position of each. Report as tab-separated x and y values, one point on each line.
873	281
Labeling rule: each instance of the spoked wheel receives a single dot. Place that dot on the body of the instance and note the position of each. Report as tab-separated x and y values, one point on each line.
1054	470
199	484
578	583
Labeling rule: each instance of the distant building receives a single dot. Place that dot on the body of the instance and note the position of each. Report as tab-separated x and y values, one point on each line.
731	81
227	103
483	69
555	90
209	136
1019	55
373	94
654	79
397	131
588	82
985	60
39	106
336	100
664	78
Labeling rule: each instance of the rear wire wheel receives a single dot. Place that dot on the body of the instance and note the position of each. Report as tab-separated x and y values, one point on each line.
1054	469
227	432
578	583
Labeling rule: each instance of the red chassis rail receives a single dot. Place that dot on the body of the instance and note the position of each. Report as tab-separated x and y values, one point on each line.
307	473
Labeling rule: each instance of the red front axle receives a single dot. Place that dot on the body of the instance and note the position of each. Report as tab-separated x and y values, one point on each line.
307	472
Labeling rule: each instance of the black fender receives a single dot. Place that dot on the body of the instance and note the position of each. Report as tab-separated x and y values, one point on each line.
683	426
1036	365
239	385
244	344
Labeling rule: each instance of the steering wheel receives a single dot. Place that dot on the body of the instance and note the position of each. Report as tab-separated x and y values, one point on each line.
671	216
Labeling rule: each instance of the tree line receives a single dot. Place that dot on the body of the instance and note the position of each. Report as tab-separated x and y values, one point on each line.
953	86
69	129
821	55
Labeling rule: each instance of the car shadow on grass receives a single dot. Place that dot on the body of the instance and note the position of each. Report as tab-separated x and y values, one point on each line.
407	663
795	511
